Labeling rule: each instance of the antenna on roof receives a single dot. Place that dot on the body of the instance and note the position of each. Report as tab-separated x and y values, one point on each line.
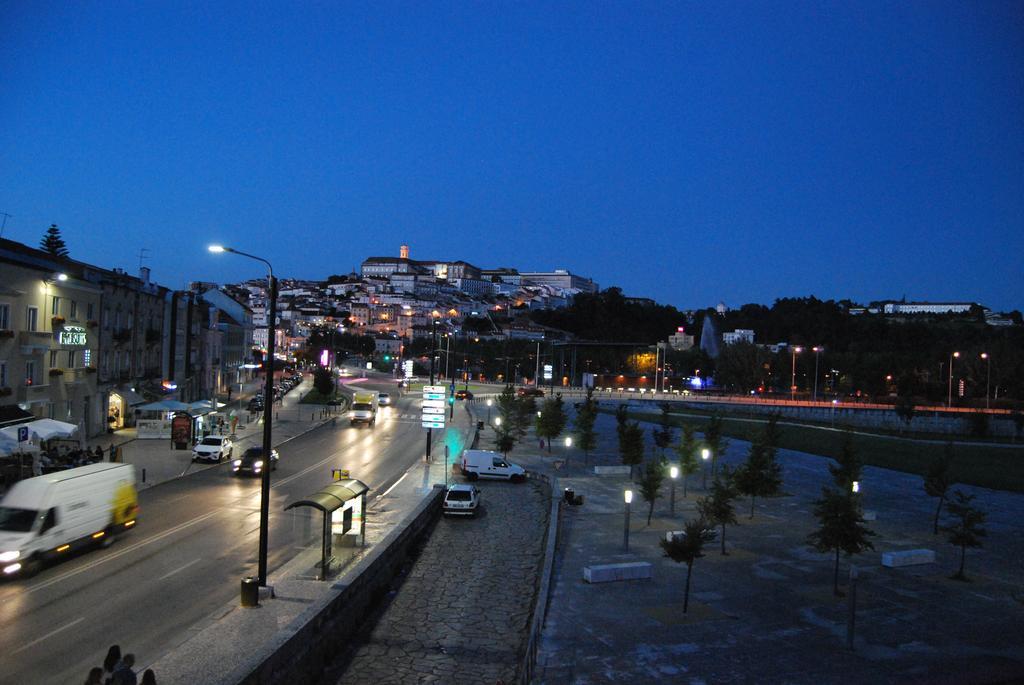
143	255
6	216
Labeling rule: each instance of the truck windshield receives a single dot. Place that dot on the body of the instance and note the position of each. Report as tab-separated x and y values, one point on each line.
361	406
17	520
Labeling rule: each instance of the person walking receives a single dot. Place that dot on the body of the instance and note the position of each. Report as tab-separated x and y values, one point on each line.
148	678
111	660
123	673
95	676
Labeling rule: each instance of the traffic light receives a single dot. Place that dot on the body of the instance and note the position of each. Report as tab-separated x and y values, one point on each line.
451	399
387	357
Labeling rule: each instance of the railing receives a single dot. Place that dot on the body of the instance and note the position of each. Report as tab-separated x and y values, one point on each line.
528	661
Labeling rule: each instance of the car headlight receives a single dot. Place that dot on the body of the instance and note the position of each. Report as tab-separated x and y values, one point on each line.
238	462
9	556
259	464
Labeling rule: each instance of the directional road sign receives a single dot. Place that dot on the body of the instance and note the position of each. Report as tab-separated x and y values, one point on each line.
433	403
433	396
433	424
434	388
433	410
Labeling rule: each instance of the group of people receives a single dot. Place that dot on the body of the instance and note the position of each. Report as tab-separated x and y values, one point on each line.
118	670
64	458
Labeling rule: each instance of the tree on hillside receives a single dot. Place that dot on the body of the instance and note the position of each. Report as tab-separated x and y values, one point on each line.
650	484
687	548
53	243
621	419
507	407
586	415
663	434
687	451
631	446
760	475
504	441
717	508
966	529
552	419
772	435
848	466
938	479
714	440
840	527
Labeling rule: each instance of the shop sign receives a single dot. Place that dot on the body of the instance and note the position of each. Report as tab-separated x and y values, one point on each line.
72	335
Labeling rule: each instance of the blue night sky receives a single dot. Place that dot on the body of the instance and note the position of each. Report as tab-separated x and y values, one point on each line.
689	152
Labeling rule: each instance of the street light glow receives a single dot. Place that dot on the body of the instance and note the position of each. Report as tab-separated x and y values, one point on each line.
856	486
673	472
568	442
62	277
628	496
705	454
217	248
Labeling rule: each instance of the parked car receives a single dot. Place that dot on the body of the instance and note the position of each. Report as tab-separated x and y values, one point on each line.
530	392
463	395
252	461
256	403
213	448
461	500
488	464
384	399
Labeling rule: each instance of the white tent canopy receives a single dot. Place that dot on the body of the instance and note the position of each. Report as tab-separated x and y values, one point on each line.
43	429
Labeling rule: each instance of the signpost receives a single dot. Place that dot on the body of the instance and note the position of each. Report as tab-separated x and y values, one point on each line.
432	406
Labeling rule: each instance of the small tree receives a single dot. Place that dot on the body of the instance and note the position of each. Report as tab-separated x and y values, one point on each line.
772	435
53	243
631	446
552	419
526	410
717	509
687	451
938	479
687	548
760	475
905	410
586	415
966	528
323	381
664	434
504	441
507	407
650	484
714	440
841	527
621	421
848	466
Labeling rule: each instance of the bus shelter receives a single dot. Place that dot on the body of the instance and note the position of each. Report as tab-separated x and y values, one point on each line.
343	505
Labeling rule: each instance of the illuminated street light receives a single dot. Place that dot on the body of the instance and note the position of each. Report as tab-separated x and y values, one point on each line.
705	454
988	374
949	398
628	497
818	349
792	384
673	474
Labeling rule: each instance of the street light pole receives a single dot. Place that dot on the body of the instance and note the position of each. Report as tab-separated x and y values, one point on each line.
673	473
268	403
704	455
792	384
988	374
949	397
433	352
628	496
817	351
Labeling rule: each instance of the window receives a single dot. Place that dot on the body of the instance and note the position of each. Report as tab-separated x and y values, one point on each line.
106	318
31	318
71	359
30	372
89	311
73	310
53	359
68	408
50	521
3	374
117	320
55	309
5	316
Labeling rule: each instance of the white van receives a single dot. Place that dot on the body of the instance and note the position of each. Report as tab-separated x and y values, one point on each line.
47	516
363	409
488	464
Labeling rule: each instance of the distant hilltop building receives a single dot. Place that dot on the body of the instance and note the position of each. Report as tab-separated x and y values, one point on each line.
560	278
928	307
737	336
680	341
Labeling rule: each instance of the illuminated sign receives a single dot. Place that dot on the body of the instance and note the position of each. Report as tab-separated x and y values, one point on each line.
325	358
72	335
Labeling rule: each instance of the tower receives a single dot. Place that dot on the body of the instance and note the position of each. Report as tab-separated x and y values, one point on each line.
403	252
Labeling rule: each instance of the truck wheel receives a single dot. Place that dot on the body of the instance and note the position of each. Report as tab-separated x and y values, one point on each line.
108	539
31	567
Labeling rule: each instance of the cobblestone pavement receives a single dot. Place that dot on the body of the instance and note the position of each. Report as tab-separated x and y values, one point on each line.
462	613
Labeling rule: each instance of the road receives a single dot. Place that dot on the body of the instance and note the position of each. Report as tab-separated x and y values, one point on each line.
197	537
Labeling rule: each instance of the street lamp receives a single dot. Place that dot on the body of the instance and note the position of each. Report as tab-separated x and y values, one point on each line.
855	487
705	454
268	403
489	402
434	315
988	374
497	421
949	397
628	497
673	474
568	442
818	349
792	384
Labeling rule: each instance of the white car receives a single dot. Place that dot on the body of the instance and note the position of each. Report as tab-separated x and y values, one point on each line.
213	448
461	500
384	399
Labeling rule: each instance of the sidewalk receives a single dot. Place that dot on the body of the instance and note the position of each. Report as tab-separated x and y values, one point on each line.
156	461
765	612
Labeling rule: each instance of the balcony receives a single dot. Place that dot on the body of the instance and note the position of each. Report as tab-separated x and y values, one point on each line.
39	392
34	341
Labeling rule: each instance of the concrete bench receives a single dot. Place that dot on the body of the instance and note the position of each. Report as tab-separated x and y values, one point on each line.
606	573
908	557
611	470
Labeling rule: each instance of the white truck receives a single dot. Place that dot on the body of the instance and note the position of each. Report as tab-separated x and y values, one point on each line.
364	408
47	516
488	464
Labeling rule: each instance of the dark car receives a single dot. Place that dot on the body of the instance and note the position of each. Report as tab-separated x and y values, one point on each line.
252	462
463	395
530	392
256	403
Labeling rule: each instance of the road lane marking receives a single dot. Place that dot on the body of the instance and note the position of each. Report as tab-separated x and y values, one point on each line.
48	635
385	493
122	552
180	568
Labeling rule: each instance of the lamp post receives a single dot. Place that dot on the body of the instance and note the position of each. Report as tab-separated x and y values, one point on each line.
628	497
949	397
817	351
673	473
988	374
489	402
792	383
433	352
268	403
705	454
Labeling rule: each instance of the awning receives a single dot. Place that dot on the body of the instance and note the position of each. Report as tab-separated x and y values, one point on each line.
11	414
164	405
333	496
44	429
